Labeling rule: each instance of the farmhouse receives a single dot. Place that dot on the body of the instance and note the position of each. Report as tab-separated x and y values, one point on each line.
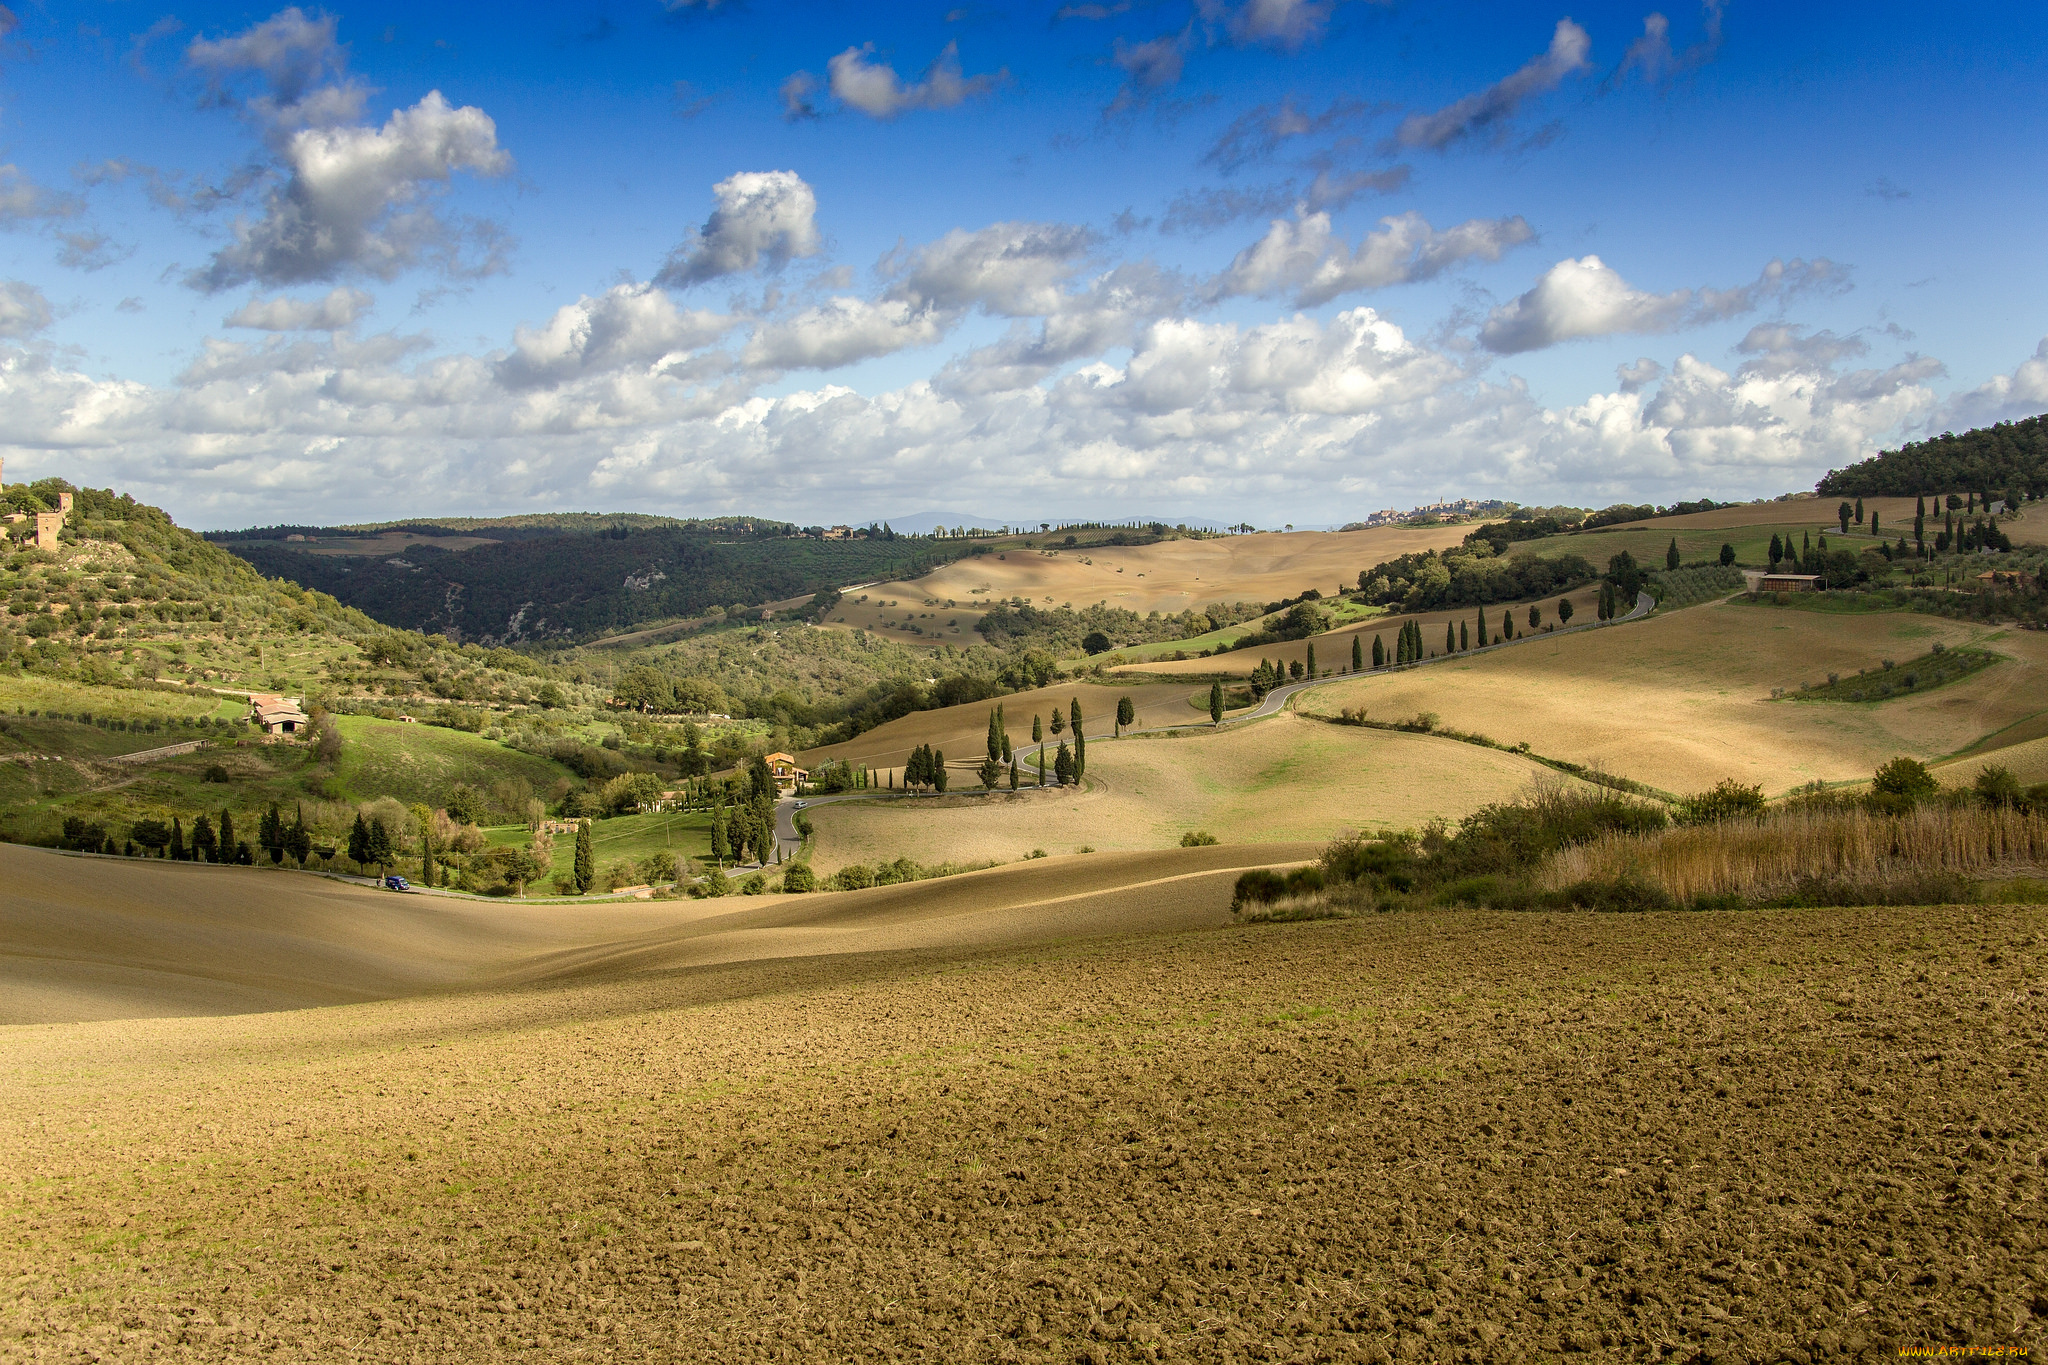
2016	579
277	715
1789	582
782	767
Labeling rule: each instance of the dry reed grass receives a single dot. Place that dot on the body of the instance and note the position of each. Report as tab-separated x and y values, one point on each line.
1758	859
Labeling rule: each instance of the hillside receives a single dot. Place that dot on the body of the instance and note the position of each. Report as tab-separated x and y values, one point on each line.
568	577
1995	459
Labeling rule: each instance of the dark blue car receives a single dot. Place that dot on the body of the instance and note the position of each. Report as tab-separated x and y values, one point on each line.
394	882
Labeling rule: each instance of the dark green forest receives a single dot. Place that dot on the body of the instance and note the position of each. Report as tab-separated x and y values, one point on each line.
572	585
2011	456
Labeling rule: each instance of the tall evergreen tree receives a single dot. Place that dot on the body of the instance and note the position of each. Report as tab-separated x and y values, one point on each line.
1727	555
1216	701
1464	636
1859	511
995	739
1126	714
1080	742
584	868
1507	625
1479	628
1564	611
298	839
1874	531
358	840
1063	765
176	851
1379	653
1450	638
1671	556
1777	550
1535	616
1357	654
939	771
720	850
380	846
227	836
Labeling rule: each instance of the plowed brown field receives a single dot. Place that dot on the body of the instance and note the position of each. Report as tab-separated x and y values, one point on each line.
1764	1136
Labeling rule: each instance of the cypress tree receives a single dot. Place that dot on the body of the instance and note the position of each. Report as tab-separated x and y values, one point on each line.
1379	653
1507	625
1464	636
1671	556
176	851
938	762
1215	707
1126	713
227	835
1777	550
1479	629
1873	523
1450	638
1310	666
358	840
995	739
719	849
1357	654
1080	742
585	868
1859	511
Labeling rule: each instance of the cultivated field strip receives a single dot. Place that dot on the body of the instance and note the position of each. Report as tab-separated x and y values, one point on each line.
1754	1136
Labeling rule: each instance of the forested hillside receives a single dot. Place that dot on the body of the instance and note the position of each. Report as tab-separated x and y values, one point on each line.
2009	456
579	578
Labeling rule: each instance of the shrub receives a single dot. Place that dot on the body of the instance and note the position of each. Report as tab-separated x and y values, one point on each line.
1997	787
798	878
1197	838
216	773
1626	893
1905	778
1263	886
1725	800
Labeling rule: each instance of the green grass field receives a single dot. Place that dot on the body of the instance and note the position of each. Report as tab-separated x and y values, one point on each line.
1343	612
1696	545
623	838
422	762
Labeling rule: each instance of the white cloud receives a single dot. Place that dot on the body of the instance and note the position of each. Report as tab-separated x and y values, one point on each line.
1305	257
1151	65
1651	57
842	331
1272	420
2002	398
296	55
1585	298
1280	23
1487	112
876	90
353	201
22	200
763	218
23	309
1015	269
627	325
340	308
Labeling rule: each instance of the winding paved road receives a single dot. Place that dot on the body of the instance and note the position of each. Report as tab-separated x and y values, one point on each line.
1272	704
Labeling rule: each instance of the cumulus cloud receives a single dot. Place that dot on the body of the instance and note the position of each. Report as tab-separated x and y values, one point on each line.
2002	398
354	201
763	219
628	325
23	201
340	308
1346	413
1488	113
299	62
842	331
1278	23
1585	298
875	89
1651	56
1015	269
1303	256
1153	64
23	309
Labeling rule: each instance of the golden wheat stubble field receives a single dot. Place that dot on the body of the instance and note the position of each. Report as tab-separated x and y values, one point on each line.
961	732
1684	700
1275	780
1465	1136
1171	576
86	939
1333	648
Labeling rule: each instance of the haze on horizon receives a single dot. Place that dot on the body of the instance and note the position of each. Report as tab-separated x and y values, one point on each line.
1266	260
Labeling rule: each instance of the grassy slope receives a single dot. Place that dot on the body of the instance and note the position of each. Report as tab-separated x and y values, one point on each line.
1682	701
1278	780
422	762
623	838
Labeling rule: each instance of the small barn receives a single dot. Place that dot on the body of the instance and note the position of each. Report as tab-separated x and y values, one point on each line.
1789	582
277	715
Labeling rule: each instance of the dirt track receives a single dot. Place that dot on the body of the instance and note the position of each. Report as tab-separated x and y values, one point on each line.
1765	1136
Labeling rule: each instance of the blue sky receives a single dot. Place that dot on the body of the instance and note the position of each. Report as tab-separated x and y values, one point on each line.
1291	260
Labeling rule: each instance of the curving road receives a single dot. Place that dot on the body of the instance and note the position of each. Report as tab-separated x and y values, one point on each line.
1272	704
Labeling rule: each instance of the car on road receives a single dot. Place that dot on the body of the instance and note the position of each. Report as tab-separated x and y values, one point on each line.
394	882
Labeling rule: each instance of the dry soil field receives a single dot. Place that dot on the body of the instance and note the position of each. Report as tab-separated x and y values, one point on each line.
1682	701
1281	779
1171	576
1763	1136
